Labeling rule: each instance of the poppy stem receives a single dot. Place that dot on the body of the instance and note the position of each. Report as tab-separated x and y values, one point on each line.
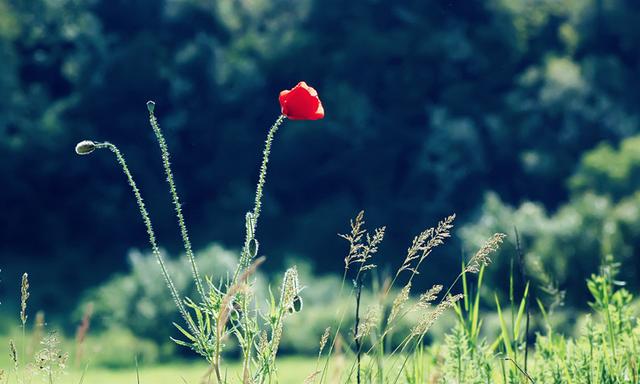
176	199
150	232
252	217
263	168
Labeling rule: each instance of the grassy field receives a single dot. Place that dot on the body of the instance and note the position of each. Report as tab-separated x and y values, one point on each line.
291	370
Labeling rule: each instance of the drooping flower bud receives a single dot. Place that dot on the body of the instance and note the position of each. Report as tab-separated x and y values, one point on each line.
85	147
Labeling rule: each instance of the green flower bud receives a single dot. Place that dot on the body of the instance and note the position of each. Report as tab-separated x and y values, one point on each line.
151	106
85	147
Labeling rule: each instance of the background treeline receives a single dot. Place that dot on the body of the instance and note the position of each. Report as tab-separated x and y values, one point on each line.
483	108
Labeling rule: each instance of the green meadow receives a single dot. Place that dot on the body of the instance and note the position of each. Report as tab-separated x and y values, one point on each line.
319	192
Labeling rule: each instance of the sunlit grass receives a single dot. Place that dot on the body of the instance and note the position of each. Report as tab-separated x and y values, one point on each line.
290	370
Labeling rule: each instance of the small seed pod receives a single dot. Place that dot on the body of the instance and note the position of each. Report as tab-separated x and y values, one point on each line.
85	147
253	247
151	106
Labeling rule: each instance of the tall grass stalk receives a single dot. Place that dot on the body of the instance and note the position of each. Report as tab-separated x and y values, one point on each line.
479	260
523	276
422	246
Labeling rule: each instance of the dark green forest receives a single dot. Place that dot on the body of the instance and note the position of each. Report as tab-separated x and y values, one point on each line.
520	113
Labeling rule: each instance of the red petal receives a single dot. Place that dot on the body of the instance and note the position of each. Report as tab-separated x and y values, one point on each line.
309	89
301	103
319	112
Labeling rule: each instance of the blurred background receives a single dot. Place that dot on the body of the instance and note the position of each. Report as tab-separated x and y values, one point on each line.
509	113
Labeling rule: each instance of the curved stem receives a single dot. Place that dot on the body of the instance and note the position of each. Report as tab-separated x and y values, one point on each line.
176	203
263	167
152	237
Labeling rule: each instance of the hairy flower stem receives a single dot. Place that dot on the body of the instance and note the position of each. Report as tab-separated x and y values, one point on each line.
263	167
152	237
176	200
247	254
252	217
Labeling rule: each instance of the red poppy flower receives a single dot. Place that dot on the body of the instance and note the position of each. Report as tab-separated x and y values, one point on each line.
301	103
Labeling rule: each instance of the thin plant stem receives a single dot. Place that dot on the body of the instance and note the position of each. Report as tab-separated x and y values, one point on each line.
24	343
151	234
527	304
337	333
403	345
356	336
251	225
339	325
405	342
176	199
252	217
520	369
263	168
137	370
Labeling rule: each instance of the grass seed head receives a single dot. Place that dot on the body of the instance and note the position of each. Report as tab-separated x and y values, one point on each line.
370	321
13	353
481	258
430	318
323	340
398	302
24	296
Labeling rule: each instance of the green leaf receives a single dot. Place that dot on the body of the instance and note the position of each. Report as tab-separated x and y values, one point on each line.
475	327
207	327
523	302
465	291
199	317
185	333
180	342
506	340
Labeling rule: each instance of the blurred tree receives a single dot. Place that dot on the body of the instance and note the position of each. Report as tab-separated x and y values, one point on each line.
429	104
565	247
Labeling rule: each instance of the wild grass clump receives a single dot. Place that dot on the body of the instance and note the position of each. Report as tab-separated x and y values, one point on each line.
35	356
605	350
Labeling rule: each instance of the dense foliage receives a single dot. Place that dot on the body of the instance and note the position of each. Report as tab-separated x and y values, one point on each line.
600	221
429	105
